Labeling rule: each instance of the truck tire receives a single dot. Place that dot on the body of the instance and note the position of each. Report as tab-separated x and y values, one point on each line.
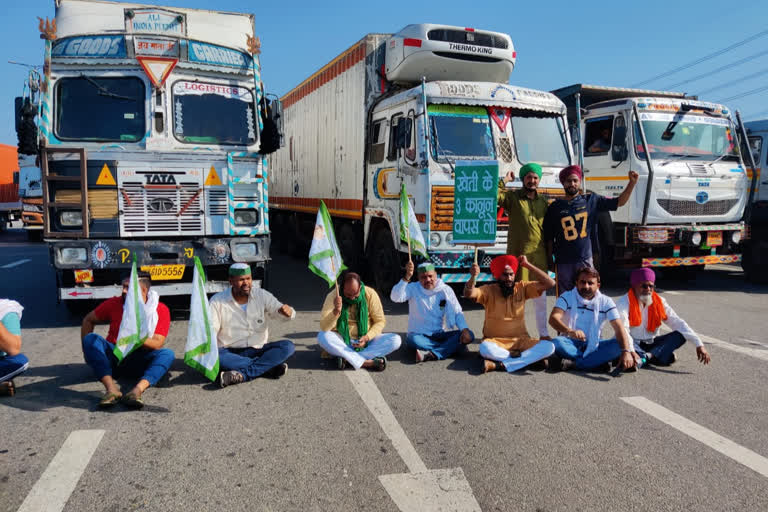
384	262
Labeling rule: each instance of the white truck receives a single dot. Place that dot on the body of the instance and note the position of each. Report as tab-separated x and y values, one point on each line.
687	208
403	108
151	145
755	256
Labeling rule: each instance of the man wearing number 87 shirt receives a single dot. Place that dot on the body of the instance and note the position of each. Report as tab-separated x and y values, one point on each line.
569	224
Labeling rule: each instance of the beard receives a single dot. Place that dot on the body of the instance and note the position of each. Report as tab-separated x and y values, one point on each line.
571	191
506	291
529	189
646	300
586	294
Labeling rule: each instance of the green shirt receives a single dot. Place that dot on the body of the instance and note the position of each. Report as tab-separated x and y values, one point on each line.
526	218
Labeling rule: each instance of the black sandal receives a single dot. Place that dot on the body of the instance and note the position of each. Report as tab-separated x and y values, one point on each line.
379	364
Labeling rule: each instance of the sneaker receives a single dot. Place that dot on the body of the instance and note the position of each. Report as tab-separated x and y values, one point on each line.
230	378
277	372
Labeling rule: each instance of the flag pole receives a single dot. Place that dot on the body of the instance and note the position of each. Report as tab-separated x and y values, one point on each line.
333	269
475	255
408	232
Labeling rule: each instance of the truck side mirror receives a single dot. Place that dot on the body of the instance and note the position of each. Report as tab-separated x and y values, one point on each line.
619	151
276	114
18	103
403	133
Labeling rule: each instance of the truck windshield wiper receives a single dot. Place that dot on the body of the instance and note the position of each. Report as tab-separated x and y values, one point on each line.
103	91
674	157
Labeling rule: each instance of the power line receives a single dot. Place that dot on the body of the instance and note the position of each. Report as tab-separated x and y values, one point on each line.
717	70
744	94
702	59
733	82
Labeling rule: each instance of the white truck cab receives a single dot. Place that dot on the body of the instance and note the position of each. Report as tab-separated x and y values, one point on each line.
756	247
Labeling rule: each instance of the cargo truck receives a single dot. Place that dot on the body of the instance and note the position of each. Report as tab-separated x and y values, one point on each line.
151	146
755	256
10	203
687	208
403	108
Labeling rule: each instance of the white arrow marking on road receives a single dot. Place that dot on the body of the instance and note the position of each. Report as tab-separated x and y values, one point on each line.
16	263
421	489
59	479
740	454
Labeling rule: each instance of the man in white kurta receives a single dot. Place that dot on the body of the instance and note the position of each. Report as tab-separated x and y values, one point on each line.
643	311
239	318
432	307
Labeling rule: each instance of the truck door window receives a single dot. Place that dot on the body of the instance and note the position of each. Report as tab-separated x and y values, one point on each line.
755	145
410	151
206	113
597	135
100	109
392	147
377	142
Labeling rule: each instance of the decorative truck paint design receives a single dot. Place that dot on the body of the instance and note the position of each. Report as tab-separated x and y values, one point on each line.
364	124
151	127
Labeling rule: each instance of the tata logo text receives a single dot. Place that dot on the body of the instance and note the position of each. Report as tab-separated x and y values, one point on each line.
160	179
161	205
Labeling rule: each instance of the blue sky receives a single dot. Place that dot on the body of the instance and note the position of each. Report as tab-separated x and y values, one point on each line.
558	42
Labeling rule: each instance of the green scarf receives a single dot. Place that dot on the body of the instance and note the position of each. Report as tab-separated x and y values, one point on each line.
342	324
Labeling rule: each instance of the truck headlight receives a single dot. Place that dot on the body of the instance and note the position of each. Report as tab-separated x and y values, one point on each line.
434	238
449	238
736	237
72	255
246	218
71	218
696	238
245	251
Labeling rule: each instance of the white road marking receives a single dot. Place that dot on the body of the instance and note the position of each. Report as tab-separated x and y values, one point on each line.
59	479
366	388
671	292
753	342
740	454
753	352
16	263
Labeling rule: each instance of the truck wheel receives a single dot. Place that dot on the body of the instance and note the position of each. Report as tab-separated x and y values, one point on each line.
384	262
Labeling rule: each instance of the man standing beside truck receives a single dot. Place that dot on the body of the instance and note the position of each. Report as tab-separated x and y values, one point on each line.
526	210
569	224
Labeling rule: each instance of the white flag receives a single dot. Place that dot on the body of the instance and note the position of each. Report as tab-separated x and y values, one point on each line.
201	351
134	326
409	225
324	255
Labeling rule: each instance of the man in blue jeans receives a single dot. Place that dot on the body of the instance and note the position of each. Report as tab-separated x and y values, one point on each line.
239	318
432	306
12	361
579	315
149	362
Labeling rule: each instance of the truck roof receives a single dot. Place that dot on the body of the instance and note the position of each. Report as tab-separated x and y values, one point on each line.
759	125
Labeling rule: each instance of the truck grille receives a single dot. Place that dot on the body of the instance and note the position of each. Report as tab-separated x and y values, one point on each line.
159	210
692	208
217	201
698	169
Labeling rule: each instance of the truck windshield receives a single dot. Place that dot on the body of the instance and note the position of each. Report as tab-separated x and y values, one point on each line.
541	140
693	137
100	109
213	114
459	132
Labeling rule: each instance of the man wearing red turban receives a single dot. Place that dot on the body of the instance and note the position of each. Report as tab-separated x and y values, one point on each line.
506	344
570	223
643	311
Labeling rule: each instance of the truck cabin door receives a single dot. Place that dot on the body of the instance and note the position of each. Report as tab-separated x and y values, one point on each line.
756	145
598	137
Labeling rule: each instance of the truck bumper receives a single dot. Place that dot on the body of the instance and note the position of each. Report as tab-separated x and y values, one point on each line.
682	246
106	292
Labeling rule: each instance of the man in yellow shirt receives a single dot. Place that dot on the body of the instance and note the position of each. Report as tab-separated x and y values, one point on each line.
351	326
507	344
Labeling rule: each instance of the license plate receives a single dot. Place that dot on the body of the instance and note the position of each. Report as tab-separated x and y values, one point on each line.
164	272
714	238
84	276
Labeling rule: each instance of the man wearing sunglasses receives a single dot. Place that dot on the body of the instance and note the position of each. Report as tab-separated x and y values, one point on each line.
643	311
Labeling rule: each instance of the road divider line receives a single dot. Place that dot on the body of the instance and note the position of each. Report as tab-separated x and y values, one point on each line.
671	292
753	352
371	396
58	481
740	454
16	263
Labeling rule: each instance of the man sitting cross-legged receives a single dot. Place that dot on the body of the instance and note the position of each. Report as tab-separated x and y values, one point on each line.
579	315
351	326
239	318
506	343
432	306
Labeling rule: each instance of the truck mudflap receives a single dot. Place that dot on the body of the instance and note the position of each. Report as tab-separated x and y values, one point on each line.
166	289
692	261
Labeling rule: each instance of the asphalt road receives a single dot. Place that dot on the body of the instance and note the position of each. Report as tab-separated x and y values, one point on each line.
527	441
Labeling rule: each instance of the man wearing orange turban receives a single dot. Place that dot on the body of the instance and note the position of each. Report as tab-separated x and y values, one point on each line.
506	344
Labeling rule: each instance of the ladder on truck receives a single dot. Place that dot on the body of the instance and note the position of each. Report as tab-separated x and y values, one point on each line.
50	205
232	197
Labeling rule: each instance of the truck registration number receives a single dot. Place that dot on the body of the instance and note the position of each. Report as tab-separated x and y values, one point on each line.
164	272
715	238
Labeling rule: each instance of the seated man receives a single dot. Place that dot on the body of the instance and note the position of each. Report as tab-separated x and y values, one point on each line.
238	316
602	144
578	316
506	344
351	326
432	306
643	311
150	361
12	361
